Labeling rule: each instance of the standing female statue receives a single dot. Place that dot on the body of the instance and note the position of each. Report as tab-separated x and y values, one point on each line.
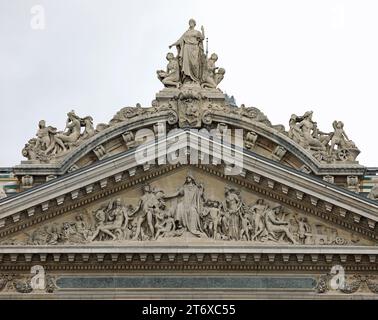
190	207
191	54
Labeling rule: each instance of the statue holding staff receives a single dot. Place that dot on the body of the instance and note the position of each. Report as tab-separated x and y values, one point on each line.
191	53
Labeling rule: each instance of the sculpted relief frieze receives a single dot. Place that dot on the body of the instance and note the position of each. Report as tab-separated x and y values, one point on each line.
186	207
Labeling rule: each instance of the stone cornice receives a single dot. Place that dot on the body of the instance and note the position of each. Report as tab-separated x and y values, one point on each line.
219	247
188	257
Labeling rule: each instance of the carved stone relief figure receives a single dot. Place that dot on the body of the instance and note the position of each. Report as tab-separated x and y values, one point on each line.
258	210
233	207
111	222
148	206
190	207
304	230
277	228
211	217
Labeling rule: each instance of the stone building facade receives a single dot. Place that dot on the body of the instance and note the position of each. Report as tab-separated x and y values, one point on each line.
191	197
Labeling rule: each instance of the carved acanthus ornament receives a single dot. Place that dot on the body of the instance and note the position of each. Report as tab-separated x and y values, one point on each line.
12	283
350	285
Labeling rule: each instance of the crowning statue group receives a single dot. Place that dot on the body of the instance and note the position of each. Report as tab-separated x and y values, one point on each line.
191	66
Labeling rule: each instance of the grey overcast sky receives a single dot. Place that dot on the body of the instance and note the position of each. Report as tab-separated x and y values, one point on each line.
97	56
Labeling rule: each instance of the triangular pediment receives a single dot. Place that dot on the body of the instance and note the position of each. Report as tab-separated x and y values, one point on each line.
214	209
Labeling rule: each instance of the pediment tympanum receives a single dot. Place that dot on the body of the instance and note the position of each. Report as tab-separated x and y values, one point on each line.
191	206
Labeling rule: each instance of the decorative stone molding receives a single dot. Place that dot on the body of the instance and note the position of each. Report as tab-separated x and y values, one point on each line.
354	284
27	181
329	179
100	152
270	169
250	140
11	283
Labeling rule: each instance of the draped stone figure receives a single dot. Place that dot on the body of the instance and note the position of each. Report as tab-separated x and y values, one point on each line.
188	210
191	54
233	206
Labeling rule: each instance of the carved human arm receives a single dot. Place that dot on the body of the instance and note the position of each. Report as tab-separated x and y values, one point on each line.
176	44
203	33
205	212
174	195
126	217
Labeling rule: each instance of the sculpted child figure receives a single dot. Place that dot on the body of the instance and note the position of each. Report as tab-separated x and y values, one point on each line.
246	227
211	216
167	228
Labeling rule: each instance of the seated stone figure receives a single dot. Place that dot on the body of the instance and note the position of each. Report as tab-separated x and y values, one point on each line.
212	75
111	221
339	137
73	126
171	77
167	228
277	228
